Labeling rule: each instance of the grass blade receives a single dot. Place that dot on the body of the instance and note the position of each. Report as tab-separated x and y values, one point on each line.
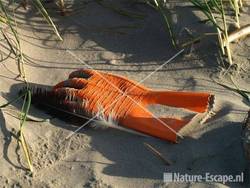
243	93
159	6
45	14
19	55
24	113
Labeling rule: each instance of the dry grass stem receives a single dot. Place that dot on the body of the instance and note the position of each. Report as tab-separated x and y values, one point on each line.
158	154
239	33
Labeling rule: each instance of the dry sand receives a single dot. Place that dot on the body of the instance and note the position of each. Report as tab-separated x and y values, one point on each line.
110	158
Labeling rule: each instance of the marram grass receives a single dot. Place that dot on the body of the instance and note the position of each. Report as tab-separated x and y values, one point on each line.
8	21
213	8
23	116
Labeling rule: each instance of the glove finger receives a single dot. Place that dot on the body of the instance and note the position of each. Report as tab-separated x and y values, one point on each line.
82	73
76	83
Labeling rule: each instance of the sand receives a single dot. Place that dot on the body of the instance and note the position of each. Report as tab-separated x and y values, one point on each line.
99	38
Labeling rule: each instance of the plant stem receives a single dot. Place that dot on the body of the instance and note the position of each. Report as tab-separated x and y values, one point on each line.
237	12
228	50
168	23
220	39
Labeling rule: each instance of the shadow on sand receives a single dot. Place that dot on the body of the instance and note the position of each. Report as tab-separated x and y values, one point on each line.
218	151
143	41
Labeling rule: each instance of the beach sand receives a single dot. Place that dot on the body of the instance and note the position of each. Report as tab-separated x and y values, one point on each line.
96	37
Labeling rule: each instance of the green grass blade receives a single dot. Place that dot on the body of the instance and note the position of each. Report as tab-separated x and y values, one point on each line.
3	19
9	21
45	14
206	9
24	145
236	89
24	113
19	55
8	42
25	107
23	117
167	21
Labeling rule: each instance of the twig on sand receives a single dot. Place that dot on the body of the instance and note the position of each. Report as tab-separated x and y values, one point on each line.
239	33
158	154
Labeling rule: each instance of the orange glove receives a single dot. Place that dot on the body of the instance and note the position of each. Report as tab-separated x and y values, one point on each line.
126	102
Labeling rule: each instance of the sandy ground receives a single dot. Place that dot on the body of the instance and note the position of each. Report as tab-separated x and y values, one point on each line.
97	37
